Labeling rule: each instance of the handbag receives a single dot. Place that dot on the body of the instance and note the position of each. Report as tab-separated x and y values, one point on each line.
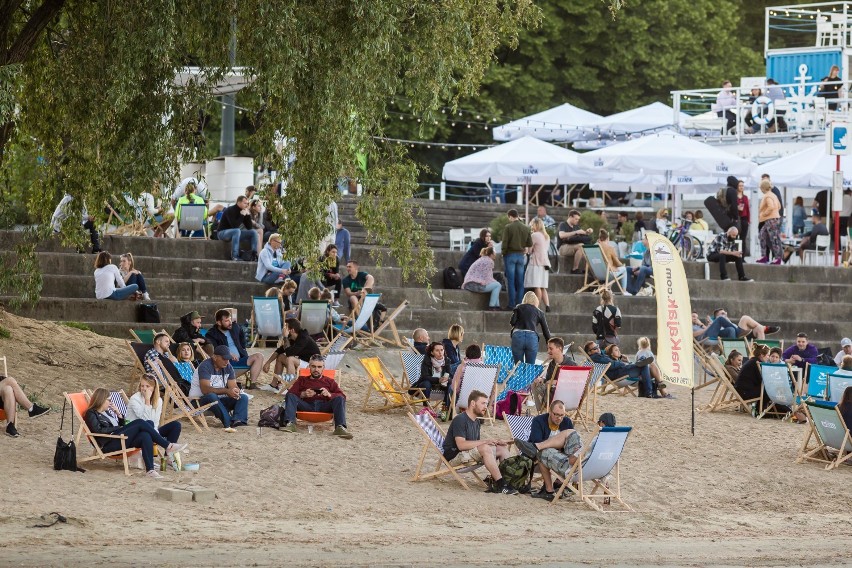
65	455
148	313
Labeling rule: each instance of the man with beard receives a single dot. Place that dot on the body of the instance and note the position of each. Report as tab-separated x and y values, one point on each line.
316	393
227	334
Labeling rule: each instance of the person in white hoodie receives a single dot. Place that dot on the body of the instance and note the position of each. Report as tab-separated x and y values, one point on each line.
271	267
146	404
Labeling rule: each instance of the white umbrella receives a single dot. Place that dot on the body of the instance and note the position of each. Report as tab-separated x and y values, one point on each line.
654	116
565	123
812	167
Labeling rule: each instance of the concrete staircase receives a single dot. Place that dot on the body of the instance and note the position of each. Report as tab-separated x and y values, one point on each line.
185	275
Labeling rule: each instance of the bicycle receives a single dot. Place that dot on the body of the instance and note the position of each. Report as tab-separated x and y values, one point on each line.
688	245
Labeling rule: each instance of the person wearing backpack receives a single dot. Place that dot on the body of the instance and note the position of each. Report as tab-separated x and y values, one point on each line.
606	321
554	443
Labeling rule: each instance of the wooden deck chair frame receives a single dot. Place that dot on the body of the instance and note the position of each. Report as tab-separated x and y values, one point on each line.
577	476
821	448
622	386
382	382
480	377
134	228
197	223
443	467
410	365
781	390
364	318
82	398
258	305
583	411
725	396
2	410
598	273
339	344
176	405
389	323
701	355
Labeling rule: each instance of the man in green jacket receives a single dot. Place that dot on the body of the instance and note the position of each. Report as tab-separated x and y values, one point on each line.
517	242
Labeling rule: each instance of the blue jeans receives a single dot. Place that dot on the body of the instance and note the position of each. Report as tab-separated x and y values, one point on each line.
524	346
336	406
646	385
515	265
229	409
236	236
123	293
140	434
721	327
170	431
637	280
139	280
271	277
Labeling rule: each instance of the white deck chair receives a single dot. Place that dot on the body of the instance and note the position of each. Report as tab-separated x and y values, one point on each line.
267	318
365	319
333	359
597	463
476	377
193	218
434	438
572	388
314	317
777	386
837	383
411	366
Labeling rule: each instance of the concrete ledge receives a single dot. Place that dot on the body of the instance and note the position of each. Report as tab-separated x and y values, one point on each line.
174	495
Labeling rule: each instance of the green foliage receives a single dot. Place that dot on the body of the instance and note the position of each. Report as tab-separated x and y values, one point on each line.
497	225
76	325
627	230
5	333
20	275
593	221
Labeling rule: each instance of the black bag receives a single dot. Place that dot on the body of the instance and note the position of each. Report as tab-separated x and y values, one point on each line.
825	357
248	256
65	455
148	313
271	417
499	277
452	278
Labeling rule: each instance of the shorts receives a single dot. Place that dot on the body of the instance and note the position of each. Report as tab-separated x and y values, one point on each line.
467	456
559	461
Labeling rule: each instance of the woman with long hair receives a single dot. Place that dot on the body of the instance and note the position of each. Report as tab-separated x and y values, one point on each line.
480	279
845	407
525	317
734	363
331	270
474	251
750	381
538	267
184	364
770	225
109	285
131	275
146	404
798	216
140	433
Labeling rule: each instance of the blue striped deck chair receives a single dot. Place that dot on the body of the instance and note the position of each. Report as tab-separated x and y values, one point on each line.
411	366
598	462
598	372
519	427
778	386
817	379
828	440
499	355
362	327
476	377
120	400
333	360
838	382
434	438
520	379
267	319
572	388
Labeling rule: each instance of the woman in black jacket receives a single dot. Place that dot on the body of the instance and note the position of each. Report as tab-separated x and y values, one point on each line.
525	317
750	381
140	433
190	332
476	247
434	371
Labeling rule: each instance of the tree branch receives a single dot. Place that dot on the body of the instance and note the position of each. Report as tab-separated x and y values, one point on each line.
29	36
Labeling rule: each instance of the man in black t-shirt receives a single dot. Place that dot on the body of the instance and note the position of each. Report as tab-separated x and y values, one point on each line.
356	284
235	226
463	445
572	237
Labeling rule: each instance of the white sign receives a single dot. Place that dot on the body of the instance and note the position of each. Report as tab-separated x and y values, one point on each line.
837	191
837	139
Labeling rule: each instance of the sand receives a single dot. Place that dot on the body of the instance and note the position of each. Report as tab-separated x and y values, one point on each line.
730	495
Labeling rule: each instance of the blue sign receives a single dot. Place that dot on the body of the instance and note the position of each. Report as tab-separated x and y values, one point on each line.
838	139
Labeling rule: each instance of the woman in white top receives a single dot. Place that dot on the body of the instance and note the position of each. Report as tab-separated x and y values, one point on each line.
147	405
109	285
538	268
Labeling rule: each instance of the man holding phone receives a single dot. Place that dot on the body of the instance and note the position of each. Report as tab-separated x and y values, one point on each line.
316	393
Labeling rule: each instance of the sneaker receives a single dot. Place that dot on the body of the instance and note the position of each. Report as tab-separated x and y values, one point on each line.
229	430
11	431
146	297
776	262
746	279
725	279
340	432
290	428
175	448
542	494
335	305
626	293
37	411
269	388
770	329
644	362
762	260
505	489
526	448
154	474
238	423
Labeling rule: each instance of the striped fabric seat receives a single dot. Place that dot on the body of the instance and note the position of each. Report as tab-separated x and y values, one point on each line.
339	343
333	359
476	376
411	363
117	398
499	355
521	378
519	426
432	430
598	370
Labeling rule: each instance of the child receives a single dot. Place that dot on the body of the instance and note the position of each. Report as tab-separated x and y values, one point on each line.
643	352
775	355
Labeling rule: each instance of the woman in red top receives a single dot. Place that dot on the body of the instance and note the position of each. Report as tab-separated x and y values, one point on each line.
742	207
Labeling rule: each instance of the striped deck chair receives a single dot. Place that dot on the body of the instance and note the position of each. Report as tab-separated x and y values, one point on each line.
573	388
520	379
338	345
476	377
595	466
177	405
519	427
382	381
725	396
120	400
411	375
779	387
333	359
837	383
827	440
434	438
499	355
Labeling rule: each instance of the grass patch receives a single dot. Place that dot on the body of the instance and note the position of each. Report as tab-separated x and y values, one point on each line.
5	333
76	325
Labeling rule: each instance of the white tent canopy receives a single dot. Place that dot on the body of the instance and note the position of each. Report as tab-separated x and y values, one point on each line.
654	116
812	167
565	123
233	81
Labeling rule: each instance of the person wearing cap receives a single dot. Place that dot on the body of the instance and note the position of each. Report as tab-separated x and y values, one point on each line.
190	332
554	443
300	347
271	266
226	334
159	351
215	381
845	349
316	393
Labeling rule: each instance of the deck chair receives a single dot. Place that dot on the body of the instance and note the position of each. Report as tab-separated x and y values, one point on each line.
193	218
395	395
837	384
316	417
725	396
267	319
411	374
622	386
817	379
479	377
143	335
315	318
520	379
598	271
573	388
780	388
79	402
139	350
362	327
728	345
433	437
337	346
827	440
333	359
519	427
389	323
499	355
177	405
597	463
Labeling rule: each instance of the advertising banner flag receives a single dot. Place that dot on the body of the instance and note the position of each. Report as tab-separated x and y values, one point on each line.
674	313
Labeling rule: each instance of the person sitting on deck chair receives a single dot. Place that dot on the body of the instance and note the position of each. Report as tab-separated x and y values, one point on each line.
316	393
356	284
215	381
231	336
159	351
554	443
300	347
12	395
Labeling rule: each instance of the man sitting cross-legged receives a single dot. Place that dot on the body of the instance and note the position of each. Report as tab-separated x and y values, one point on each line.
356	284
214	381
12	395
301	347
555	359
463	444
159	351
227	334
316	393
554	443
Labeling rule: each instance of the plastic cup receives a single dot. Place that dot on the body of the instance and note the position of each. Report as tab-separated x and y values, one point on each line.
310	428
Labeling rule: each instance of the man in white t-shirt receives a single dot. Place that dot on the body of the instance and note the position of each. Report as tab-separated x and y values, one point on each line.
215	381
845	349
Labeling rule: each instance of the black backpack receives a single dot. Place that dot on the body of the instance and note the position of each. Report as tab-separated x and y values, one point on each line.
452	278
148	313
